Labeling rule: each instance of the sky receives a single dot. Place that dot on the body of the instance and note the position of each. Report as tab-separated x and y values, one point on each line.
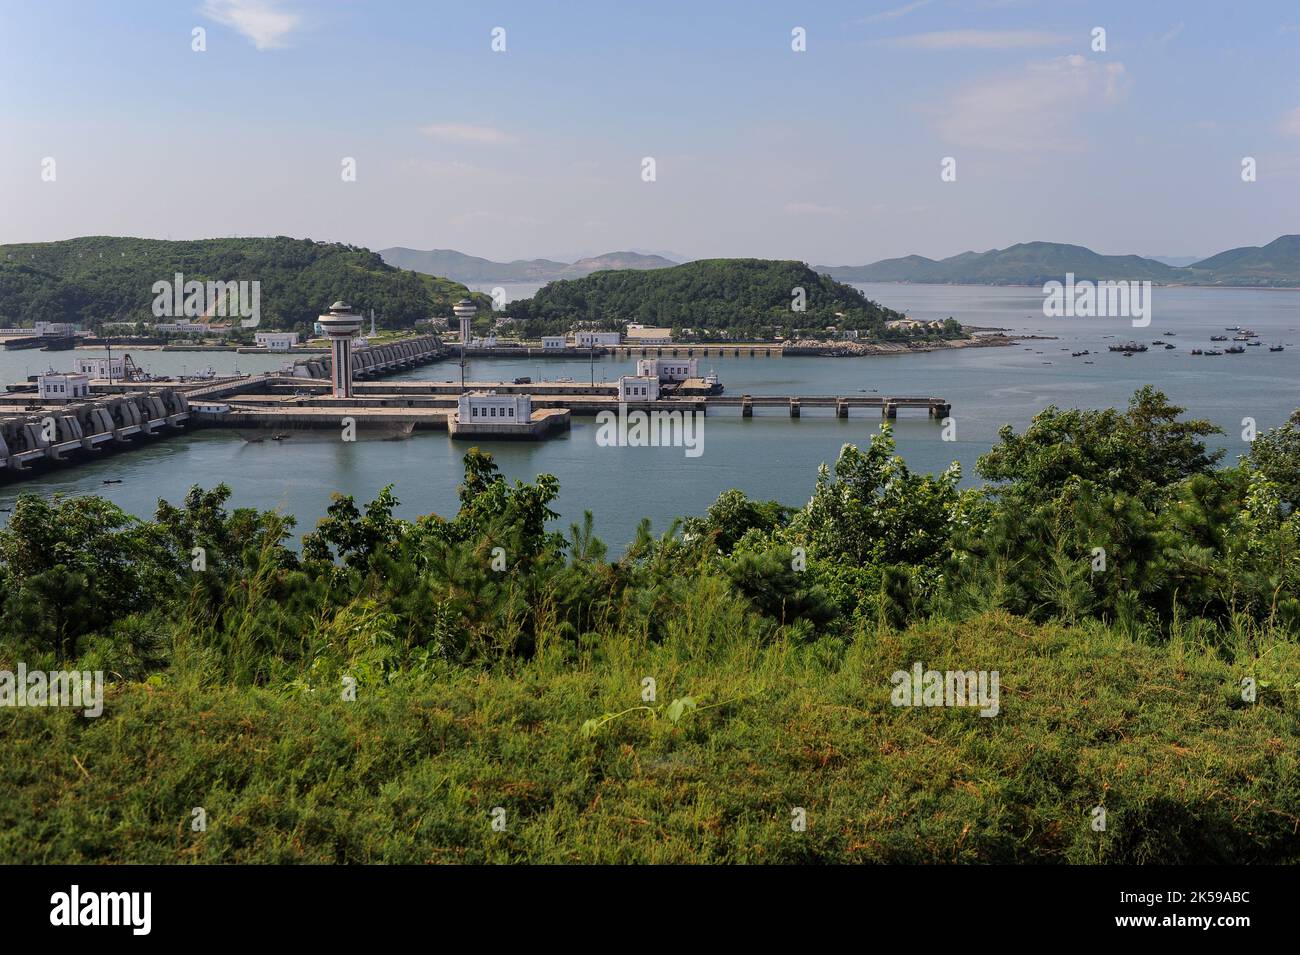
180	119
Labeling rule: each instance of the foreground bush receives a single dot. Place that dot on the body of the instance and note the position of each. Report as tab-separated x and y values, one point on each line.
411	772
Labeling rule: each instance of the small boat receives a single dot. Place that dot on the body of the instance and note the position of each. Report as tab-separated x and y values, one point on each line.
1197	351
113	481
1128	347
1170	334
1213	351
1232	328
1235	350
1275	347
279	436
1254	343
1218	338
1169	345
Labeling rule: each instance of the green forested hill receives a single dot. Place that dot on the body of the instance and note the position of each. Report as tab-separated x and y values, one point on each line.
104	278
740	295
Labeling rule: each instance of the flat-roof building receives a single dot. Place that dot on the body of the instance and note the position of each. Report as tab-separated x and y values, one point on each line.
638	388
668	369
69	387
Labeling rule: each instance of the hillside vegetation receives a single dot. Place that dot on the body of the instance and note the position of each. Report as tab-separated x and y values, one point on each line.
102	278
1159	684
743	296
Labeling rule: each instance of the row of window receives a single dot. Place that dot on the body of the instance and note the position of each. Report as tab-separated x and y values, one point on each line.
474	412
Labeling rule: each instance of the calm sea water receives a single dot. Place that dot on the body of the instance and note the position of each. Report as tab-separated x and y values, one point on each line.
768	456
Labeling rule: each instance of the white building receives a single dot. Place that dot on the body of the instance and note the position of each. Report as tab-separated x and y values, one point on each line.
101	367
668	369
63	387
599	339
488	407
638	388
276	341
553	342
180	328
56	328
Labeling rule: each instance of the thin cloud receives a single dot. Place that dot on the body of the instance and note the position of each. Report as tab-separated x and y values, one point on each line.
466	133
1042	108
1289	125
1172	34
264	22
896	13
978	40
812	209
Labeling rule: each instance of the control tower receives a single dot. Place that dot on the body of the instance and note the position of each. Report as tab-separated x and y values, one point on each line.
340	323
465	311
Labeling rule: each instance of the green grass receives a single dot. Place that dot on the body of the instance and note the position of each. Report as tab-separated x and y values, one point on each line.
411	771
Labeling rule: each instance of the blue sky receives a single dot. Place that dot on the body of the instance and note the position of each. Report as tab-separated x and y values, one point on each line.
831	155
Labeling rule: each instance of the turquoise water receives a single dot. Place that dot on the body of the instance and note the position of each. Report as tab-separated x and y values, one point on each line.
770	455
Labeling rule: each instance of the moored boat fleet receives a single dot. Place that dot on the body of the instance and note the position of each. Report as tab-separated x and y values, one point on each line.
1242	339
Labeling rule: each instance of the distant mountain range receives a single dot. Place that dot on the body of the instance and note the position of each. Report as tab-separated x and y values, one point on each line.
1276	265
471	269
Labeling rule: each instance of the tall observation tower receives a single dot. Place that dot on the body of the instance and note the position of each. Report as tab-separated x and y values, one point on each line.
340	323
465	311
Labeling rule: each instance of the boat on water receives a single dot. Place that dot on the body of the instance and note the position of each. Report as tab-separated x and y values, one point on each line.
1128	347
1212	351
1080	354
1170	334
1255	343
1235	350
1218	338
1169	345
1276	347
1197	351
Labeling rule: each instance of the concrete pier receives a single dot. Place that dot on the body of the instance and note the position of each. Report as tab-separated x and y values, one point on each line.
65	432
373	361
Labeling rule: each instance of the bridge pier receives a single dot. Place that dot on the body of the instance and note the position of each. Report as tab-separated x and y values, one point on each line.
889	410
746	406
794	407
940	410
841	408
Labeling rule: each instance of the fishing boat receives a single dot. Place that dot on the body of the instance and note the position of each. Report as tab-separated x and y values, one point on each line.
1170	334
1169	345
1128	347
1218	338
1197	351
1275	347
1212	351
1235	350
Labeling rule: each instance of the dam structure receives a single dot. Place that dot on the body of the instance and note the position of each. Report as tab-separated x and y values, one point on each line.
337	393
